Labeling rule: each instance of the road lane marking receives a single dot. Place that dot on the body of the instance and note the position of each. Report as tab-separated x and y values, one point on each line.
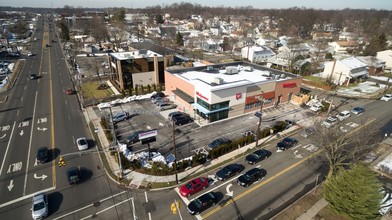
8	147
30	141
90	205
104	210
25	197
51	118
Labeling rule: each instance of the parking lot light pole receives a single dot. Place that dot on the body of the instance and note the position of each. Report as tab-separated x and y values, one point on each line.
260	98
116	145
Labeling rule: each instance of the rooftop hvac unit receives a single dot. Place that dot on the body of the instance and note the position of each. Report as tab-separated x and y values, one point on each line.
248	68
231	70
282	76
217	81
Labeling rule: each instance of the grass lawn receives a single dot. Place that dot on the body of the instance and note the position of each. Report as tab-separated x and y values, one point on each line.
315	79
90	90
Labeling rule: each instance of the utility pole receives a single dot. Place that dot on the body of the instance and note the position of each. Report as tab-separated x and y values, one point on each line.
260	98
175	151
115	144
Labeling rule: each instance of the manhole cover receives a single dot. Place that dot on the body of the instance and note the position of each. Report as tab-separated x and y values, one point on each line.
96	204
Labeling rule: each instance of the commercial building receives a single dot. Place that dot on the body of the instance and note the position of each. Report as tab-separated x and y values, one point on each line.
222	91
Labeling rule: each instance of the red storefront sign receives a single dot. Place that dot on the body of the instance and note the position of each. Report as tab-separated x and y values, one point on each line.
238	96
289	85
201	96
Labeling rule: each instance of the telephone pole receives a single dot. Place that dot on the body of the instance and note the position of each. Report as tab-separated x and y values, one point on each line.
116	145
175	151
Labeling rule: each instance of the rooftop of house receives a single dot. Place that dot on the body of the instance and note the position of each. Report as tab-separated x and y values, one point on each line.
223	76
137	54
353	63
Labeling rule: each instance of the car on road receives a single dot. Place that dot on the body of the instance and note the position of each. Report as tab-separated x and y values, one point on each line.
218	142
42	155
39	209
257	156
73	175
386	97
120	116
307	132
330	121
33	76
358	110
29	54
343	115
194	186
182	120
202	203
287	142
251	176
69	91
82	143
229	171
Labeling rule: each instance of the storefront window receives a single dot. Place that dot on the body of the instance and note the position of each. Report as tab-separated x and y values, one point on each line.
219	115
249	106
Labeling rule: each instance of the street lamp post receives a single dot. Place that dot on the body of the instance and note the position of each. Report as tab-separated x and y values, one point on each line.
115	142
260	98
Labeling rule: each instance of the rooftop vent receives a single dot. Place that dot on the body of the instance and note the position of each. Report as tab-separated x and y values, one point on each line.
217	81
248	69
231	70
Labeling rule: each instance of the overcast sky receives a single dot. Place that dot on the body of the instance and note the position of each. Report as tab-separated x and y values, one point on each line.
263	4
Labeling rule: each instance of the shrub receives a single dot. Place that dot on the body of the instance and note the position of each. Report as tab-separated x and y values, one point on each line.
105	126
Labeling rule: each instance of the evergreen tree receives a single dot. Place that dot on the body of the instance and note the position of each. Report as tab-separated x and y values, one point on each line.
179	39
354	193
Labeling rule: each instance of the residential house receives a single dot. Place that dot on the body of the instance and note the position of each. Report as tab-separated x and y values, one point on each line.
268	41
212	45
348	36
216	31
320	36
257	54
345	71
375	66
343	46
386	55
297	49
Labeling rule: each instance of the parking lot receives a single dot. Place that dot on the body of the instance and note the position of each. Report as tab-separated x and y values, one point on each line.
144	115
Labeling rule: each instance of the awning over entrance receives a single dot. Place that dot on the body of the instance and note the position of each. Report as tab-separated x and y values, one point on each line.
184	96
206	111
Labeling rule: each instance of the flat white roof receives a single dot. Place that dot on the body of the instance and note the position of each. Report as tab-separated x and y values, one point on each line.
207	79
137	54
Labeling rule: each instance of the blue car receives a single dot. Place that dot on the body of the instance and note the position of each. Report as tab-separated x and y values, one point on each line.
358	110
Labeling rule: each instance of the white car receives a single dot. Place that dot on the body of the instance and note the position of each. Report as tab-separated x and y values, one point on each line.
343	115
82	143
316	107
330	121
386	97
39	209
29	54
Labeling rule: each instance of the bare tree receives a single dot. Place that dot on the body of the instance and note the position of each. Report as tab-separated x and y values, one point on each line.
339	147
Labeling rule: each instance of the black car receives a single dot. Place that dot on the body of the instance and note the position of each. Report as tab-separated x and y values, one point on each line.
251	176
287	142
202	203
73	175
257	156
42	155
175	114
158	94
182	120
33	76
229	171
218	142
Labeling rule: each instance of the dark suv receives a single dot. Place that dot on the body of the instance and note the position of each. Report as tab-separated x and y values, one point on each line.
218	142
73	175
42	155
257	156
287	142
182	120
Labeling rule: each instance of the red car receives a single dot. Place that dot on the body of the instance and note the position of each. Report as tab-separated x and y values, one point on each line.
194	186
69	91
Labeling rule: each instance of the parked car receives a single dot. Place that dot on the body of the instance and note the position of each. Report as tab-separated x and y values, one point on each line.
29	54
229	171
160	99
166	106
82	143
39	209
73	175
33	76
330	121
386	97
158	94
307	132
287	142
316	107
202	203
289	123
182	120
176	114
218	142
251	176
194	186
133	137
343	115
120	116
257	156
358	110
42	155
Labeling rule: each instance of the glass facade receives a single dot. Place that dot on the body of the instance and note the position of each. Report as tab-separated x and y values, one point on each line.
219	110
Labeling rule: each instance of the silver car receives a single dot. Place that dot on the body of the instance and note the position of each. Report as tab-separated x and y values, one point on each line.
39	209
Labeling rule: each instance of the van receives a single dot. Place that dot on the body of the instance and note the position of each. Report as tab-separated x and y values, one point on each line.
166	105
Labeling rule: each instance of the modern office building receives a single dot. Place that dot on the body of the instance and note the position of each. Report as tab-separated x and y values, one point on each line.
222	91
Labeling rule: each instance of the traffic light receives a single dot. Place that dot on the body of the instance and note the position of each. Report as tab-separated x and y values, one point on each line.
61	161
173	208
